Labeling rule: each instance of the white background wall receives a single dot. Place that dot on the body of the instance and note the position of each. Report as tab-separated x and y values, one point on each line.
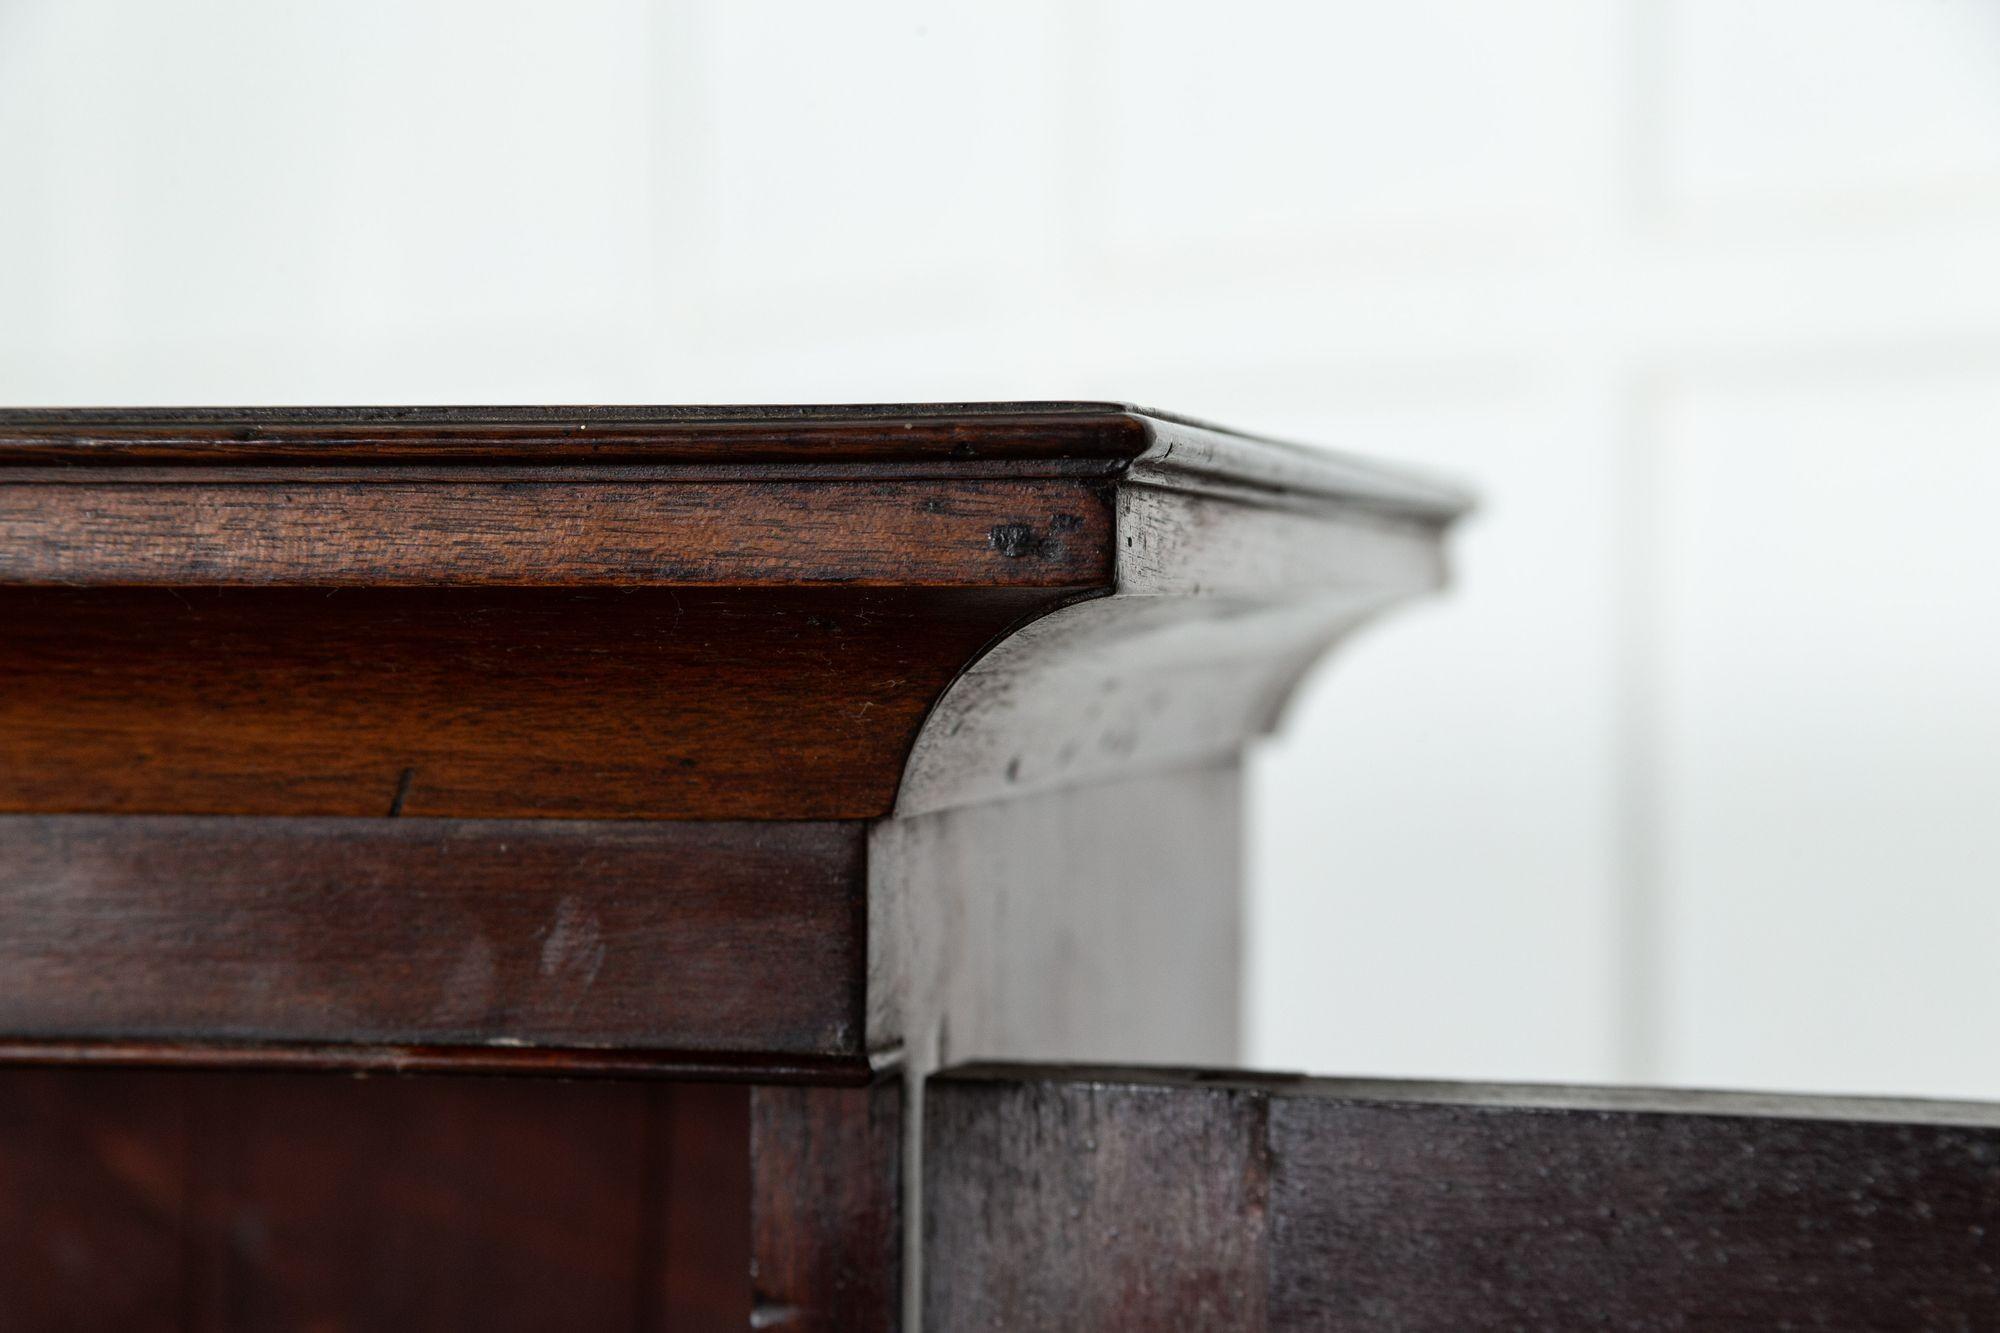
1694	778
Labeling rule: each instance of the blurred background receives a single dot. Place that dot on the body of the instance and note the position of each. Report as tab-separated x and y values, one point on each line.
1695	776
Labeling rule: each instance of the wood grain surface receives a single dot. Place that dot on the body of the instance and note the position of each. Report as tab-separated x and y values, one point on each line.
156	1201
389	532
816	436
494	703
940	439
827	1207
1286	1203
682	613
547	741
679	940
1092	1206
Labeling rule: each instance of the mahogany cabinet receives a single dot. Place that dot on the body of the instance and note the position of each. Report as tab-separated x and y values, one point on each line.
521	868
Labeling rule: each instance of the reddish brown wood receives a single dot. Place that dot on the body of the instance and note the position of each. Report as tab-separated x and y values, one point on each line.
94	1203
755	442
1122	1198
285	664
673	938
819	437
391	532
489	704
826	1207
255	1201
349	631
697	1245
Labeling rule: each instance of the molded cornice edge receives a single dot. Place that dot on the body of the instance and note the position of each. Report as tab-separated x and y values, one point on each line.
662	613
1237	563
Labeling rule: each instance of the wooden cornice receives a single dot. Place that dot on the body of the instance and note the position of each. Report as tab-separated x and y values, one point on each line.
519	612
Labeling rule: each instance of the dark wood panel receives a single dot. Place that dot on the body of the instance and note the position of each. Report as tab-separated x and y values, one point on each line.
464	1205
1110	1207
668	937
94	1203
1354	1205
697	1245
661	615
317	533
1579	1218
818	436
479	704
826	1207
382	1058
255	1201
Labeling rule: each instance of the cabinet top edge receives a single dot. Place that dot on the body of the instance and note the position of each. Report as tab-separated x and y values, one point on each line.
1148	445
474	418
1515	1097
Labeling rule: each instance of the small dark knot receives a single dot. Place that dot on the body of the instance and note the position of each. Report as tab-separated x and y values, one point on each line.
1014	540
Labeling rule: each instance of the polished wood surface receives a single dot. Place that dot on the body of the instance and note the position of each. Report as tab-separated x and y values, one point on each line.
1059	1198
827	1206
393	530
138	1200
865	616
813	748
492	704
684	942
821	436
433	611
803	746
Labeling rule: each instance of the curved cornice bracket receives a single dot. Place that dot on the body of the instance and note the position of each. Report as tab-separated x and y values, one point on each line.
1237	563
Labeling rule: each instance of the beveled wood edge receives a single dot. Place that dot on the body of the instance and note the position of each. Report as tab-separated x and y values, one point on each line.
449	471
1160	447
345	416
623	495
1551	1097
471	436
1186	454
360	1059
